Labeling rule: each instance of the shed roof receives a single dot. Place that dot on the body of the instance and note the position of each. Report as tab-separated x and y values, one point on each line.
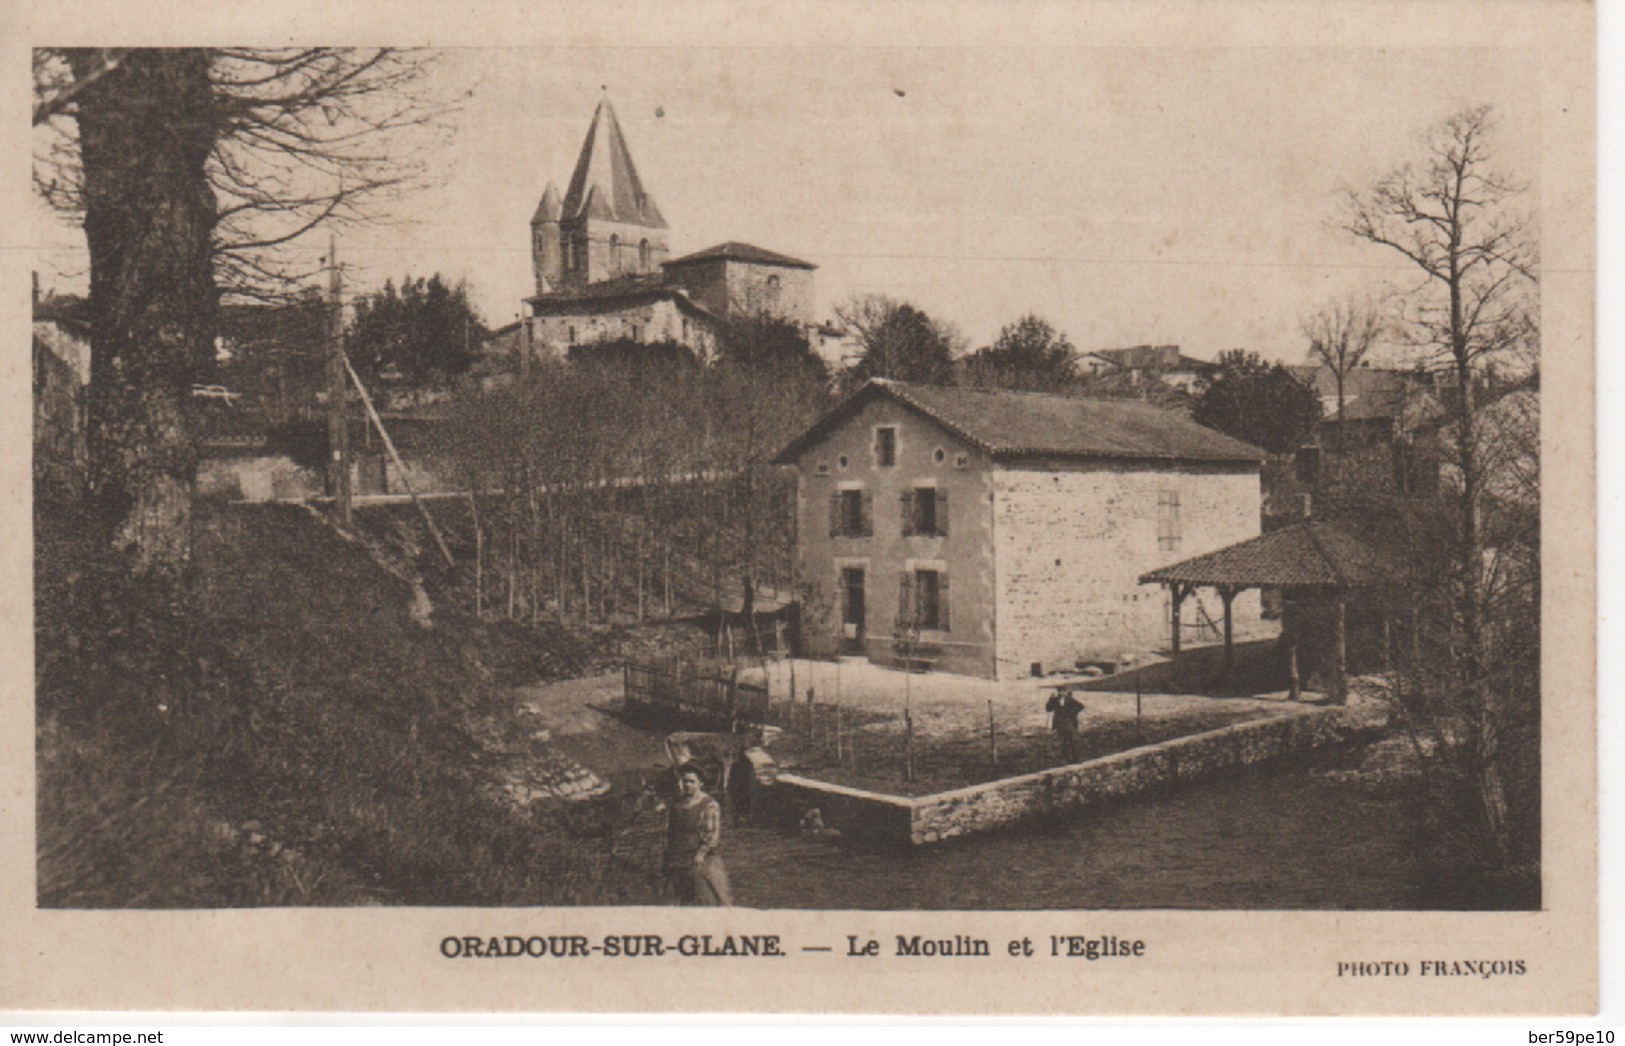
1307	554
1030	424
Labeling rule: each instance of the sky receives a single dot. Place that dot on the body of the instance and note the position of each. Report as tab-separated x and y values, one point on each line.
1126	195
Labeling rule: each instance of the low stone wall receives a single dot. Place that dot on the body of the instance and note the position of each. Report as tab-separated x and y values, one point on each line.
1060	790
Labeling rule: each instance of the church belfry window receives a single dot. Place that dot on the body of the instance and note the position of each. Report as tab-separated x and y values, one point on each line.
643	255
614	253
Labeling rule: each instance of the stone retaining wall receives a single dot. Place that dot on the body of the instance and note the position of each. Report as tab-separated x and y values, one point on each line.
1062	789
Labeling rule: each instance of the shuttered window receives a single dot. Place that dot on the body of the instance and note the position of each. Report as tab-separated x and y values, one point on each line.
925	512
1169	528
851	514
922	600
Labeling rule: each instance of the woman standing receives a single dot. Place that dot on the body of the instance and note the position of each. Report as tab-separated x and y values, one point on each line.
693	832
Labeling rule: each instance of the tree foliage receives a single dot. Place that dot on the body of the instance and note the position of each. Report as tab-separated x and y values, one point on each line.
1258	402
899	342
425	329
1028	354
192	171
1460	224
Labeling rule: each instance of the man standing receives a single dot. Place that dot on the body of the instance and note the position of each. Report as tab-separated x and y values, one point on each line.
1064	710
693	832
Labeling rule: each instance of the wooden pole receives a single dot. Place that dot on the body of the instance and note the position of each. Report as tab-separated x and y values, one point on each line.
1289	625
338	429
908	745
1228	594
1178	593
992	735
1340	683
389	445
479	557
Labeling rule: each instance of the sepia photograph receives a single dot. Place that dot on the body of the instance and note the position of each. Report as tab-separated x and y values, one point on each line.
800	477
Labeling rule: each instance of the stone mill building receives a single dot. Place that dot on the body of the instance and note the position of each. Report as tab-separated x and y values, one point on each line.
1002	534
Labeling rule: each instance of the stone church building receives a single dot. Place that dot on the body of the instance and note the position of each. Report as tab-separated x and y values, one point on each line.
601	254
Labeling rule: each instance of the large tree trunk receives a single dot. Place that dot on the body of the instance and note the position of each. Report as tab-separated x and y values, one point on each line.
145	134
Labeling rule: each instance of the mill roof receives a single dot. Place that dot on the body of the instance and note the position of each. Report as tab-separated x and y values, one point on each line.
741	252
605	184
1031	424
1303	555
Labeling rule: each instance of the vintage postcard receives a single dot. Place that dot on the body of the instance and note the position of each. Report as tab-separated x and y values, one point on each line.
901	508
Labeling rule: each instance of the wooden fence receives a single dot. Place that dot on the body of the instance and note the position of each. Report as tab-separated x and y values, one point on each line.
692	692
712	695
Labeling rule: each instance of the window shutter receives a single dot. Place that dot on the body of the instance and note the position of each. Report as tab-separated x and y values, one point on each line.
868	528
908	513
905	600
835	514
942	521
942	591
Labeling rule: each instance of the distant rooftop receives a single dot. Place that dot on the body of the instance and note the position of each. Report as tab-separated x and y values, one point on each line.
1152	357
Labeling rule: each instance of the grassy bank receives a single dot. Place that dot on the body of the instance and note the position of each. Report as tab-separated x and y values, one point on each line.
288	730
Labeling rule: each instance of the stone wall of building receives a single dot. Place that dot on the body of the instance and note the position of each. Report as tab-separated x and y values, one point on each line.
650	321
927	455
1073	538
735	288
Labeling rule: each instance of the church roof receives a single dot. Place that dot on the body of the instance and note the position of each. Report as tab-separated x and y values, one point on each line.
605	184
550	208
612	294
741	252
1032	424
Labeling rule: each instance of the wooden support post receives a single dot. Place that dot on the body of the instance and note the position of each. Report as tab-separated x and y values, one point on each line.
1340	683
1228	594
992	736
1289	626
1178	593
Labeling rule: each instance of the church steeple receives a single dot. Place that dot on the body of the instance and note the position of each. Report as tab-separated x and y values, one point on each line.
607	225
606	180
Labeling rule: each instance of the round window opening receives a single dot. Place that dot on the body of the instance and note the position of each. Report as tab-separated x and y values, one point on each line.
941	455
842	462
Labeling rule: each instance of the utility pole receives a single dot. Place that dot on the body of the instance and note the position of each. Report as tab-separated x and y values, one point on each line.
338	429
524	347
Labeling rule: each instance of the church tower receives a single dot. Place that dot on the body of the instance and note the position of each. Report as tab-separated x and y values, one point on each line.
607	224
546	256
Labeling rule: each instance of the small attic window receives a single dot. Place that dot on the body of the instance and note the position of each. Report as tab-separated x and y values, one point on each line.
823	468
961	461
940	455
886	446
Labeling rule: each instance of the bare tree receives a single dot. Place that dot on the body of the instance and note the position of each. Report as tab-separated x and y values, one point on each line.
1457	221
190	170
1341	336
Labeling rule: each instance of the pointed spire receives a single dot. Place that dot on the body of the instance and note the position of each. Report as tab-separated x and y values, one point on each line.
606	178
550	208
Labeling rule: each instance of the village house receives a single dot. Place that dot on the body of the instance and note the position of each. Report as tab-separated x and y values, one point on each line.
1140	364
1002	534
